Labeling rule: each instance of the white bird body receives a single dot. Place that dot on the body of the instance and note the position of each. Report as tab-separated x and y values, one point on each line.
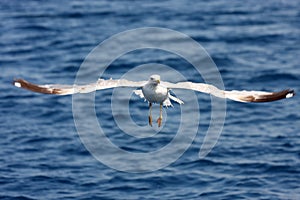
154	92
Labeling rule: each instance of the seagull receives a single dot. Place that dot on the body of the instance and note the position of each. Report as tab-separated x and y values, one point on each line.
156	91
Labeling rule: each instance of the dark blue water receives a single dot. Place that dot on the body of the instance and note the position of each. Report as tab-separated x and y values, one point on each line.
255	45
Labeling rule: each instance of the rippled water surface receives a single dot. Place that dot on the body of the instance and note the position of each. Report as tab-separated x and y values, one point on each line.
255	45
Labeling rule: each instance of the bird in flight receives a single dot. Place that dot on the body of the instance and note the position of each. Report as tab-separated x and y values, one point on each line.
156	91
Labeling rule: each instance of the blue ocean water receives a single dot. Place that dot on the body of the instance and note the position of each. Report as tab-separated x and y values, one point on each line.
255	45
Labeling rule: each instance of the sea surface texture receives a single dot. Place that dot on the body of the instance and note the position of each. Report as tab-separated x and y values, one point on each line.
254	44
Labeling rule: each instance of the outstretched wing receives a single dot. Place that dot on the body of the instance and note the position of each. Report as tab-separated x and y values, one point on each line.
241	96
101	84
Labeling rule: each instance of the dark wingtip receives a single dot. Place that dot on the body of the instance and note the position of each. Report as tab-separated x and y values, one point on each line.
21	83
17	82
290	93
284	94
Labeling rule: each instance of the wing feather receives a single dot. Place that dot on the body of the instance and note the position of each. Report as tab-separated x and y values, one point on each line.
241	96
179	101
101	84
139	93
259	96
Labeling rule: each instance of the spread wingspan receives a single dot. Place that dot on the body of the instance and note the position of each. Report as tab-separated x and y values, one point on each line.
241	96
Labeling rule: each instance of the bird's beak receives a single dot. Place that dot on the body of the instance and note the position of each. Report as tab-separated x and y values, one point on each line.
158	81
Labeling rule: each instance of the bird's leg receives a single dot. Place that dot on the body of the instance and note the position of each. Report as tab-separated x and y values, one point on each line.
150	114
159	120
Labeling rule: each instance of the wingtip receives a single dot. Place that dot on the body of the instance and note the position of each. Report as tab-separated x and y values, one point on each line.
290	93
21	83
274	96
17	83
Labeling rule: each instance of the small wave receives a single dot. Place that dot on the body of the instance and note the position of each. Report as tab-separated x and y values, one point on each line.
281	169
21	197
275	76
35	27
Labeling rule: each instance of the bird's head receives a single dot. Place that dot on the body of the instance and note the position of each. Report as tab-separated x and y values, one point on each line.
154	79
